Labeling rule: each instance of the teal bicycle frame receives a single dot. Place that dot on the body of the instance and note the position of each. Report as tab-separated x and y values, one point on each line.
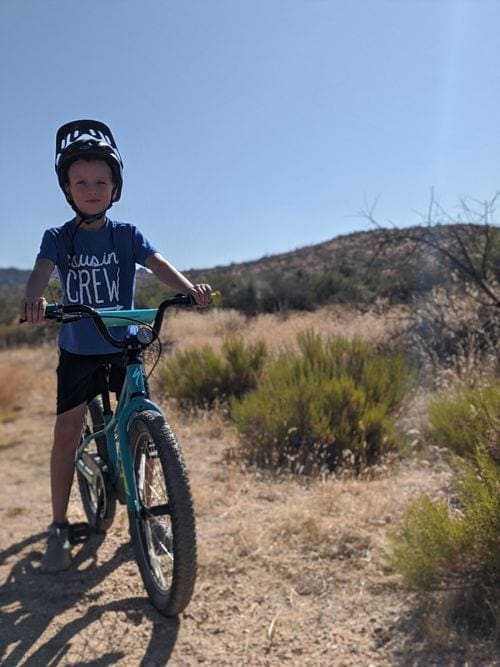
133	399
157	493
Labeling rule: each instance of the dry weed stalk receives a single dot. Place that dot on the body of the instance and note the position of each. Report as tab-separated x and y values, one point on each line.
187	330
15	384
453	337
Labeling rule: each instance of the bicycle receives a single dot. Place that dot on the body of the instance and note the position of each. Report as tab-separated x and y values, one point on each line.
130	455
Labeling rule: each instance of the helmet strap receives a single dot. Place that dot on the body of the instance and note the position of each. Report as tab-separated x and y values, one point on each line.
89	219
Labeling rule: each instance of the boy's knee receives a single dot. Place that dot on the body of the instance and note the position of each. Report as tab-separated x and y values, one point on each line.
68	425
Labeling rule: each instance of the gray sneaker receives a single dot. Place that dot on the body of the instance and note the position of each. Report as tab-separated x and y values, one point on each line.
58	556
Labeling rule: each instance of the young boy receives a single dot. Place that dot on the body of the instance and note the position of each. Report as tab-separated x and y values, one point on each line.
95	258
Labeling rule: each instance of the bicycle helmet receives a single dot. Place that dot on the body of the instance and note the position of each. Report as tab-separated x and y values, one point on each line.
87	140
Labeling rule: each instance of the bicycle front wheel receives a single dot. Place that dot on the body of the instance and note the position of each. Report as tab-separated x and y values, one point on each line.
163	532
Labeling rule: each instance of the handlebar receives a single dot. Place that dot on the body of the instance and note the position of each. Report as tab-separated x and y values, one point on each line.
115	318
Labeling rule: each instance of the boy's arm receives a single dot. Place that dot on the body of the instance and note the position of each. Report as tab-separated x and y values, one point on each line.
32	308
177	282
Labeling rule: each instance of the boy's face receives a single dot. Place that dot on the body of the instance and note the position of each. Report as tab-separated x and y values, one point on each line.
90	185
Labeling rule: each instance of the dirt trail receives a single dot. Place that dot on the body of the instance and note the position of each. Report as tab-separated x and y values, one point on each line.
288	573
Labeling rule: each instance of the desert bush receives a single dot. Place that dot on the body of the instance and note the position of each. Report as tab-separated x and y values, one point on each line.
12	333
450	330
467	419
15	385
328	405
457	545
438	545
200	378
430	543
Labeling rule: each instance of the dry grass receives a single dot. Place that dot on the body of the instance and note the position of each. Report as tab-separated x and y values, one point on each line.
194	329
25	374
280	524
290	571
15	385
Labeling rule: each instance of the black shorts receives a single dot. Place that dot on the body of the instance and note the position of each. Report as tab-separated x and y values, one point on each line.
82	377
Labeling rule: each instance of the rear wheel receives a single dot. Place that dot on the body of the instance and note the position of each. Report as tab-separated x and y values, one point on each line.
163	533
98	497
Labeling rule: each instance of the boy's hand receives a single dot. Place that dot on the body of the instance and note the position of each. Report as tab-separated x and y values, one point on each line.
33	310
202	294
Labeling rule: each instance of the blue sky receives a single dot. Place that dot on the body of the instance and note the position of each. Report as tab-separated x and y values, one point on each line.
251	127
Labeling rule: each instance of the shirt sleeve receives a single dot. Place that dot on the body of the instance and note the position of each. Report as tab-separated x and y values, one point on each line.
48	247
142	247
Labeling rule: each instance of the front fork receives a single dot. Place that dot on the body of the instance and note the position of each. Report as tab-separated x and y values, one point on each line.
134	399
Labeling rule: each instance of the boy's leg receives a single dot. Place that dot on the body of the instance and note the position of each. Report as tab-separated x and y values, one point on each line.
76	382
62	464
67	433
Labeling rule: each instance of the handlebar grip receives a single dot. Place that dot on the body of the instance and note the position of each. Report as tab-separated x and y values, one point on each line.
53	311
216	299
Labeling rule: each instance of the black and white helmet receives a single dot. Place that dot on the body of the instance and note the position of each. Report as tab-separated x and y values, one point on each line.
87	140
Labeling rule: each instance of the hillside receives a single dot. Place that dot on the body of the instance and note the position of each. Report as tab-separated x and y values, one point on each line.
393	265
12	277
357	250
358	268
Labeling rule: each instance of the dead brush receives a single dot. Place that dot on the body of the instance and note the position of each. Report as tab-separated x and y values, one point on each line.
187	330
452	335
15	384
473	611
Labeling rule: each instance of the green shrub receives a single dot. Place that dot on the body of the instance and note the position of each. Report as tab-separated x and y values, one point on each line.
430	543
200	378
327	405
12	333
466	420
437	546
196	378
457	548
243	365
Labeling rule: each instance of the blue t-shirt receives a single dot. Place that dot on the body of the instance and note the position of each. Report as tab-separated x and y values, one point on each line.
96	268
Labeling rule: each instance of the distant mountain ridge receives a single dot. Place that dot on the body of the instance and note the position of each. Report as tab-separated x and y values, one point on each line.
12	277
355	249
321	253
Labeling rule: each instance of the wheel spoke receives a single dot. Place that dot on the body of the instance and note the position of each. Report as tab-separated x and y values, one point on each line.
166	517
98	499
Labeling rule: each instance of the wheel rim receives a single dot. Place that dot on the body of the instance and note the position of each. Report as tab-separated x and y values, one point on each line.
95	493
156	531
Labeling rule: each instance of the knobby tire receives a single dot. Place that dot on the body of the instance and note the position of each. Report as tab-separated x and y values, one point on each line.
165	544
99	516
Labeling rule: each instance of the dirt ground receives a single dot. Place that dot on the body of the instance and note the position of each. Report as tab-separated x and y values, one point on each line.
289	573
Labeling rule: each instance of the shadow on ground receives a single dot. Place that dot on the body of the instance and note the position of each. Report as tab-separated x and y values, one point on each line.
31	603
429	637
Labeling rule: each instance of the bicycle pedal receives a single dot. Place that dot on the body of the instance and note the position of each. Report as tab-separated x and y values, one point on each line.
79	532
